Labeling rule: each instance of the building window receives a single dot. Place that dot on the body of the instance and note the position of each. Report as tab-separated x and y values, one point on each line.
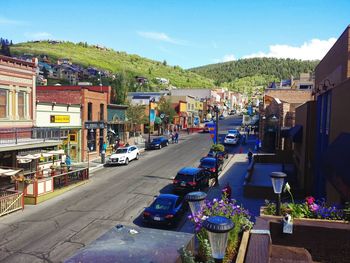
89	113
21	104
3	103
102	112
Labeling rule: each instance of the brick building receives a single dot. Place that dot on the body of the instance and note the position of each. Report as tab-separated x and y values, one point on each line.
93	101
278	115
332	91
17	113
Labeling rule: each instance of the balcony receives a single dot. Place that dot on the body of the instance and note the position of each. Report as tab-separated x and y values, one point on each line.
26	136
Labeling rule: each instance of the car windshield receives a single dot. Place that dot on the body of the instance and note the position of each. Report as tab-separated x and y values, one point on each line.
121	150
208	163
230	137
163	204
184	177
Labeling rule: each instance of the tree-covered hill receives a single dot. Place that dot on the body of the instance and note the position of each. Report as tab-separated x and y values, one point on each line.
274	67
114	61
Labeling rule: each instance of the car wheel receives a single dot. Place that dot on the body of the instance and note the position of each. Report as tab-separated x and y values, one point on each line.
126	161
160	146
137	156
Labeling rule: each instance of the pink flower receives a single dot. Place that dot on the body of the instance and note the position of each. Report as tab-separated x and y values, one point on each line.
314	207
310	200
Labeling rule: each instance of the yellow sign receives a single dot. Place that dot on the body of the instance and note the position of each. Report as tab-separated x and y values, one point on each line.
60	119
183	107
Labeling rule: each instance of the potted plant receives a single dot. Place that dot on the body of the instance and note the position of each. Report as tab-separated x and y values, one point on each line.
226	208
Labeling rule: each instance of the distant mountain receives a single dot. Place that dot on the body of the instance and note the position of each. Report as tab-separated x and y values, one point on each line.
114	61
273	67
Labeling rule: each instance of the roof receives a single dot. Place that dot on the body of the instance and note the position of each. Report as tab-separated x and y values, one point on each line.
189	170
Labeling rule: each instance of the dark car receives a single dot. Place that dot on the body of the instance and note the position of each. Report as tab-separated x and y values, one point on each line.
166	210
191	179
221	117
158	143
209	164
221	155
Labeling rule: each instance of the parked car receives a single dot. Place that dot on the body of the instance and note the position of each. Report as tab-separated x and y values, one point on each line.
221	155
232	112
124	155
231	139
158	143
190	179
209	164
234	132
166	209
221	117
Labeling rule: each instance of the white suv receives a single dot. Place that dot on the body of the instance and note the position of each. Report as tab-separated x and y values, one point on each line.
124	155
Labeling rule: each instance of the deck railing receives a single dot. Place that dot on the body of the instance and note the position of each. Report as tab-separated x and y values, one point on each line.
10	201
25	135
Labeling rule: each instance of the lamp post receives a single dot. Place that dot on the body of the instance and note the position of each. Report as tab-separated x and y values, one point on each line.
216	110
151	99
218	228
277	179
195	201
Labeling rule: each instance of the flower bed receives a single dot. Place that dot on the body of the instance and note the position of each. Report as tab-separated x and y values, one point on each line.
226	208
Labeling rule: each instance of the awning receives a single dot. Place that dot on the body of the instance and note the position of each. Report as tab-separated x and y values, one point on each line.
296	133
8	172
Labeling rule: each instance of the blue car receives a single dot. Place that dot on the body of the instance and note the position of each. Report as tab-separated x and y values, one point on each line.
166	210
158	143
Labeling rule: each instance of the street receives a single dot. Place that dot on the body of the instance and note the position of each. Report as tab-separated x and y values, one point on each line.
55	229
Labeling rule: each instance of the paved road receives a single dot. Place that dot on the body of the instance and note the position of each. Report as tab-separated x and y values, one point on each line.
55	229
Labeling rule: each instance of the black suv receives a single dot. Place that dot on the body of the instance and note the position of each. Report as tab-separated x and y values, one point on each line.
190	179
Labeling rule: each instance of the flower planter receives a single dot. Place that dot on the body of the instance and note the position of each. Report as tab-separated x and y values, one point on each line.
243	247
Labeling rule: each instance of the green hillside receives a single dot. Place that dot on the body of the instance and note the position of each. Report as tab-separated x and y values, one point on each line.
277	68
115	62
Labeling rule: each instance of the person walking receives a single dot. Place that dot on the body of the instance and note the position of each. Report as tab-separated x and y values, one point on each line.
176	137
250	156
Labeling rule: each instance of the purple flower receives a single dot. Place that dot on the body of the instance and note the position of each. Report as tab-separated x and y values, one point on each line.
314	207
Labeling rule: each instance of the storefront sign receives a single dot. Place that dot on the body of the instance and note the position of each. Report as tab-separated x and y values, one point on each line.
59	118
94	125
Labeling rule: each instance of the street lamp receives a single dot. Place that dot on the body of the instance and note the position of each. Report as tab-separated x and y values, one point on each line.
277	179
151	99
218	228
195	201
216	110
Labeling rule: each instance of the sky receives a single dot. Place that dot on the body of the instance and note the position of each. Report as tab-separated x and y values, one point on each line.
188	33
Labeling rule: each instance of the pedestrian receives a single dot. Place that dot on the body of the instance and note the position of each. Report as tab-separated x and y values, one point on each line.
250	156
176	137
257	143
172	137
188	130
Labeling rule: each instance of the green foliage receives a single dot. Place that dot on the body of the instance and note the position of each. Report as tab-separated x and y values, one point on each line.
164	106
218	147
186	256
136	114
115	61
277	68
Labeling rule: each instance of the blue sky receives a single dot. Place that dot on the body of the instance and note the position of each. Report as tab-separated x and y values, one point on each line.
187	33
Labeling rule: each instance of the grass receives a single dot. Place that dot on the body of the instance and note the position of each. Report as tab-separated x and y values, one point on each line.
115	61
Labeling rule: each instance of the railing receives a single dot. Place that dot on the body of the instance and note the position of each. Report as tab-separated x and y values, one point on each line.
25	135
66	179
10	201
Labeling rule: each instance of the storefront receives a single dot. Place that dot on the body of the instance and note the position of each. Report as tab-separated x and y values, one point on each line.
67	118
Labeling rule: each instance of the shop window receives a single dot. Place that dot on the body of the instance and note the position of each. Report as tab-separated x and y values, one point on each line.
3	103
21	104
89	113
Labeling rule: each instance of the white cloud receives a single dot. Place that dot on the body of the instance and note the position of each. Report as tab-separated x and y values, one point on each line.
6	21
229	57
38	35
311	50
158	36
